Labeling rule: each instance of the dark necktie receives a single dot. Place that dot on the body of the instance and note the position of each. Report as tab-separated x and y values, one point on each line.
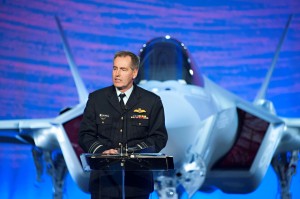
122	95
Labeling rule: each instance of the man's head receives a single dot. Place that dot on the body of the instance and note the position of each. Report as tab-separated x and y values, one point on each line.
125	69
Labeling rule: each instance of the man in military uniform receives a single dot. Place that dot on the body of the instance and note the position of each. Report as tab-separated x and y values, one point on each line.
122	115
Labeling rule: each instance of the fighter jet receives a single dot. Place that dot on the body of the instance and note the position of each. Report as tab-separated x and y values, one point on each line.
217	139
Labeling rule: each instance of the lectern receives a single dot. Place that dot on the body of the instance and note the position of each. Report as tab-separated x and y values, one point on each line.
127	162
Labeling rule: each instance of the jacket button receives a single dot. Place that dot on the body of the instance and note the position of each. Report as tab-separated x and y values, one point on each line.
140	124
121	118
121	130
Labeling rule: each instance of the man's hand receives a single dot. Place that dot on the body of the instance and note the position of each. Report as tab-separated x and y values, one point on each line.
110	152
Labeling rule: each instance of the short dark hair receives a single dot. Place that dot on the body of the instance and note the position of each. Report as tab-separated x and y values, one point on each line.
135	60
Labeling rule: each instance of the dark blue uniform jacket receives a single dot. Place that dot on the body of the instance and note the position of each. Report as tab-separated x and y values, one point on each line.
105	126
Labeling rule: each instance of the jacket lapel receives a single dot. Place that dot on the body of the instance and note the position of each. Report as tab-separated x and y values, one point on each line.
113	99
134	97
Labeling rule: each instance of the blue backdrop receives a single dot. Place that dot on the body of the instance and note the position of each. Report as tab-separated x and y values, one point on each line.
233	43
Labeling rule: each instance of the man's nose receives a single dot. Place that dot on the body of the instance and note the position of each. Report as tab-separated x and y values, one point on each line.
117	72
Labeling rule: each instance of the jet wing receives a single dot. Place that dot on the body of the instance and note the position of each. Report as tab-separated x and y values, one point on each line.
60	133
18	131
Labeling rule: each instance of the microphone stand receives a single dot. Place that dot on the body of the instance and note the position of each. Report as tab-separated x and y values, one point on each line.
123	169
123	160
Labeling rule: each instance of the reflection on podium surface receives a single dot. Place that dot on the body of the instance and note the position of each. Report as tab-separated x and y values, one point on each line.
128	162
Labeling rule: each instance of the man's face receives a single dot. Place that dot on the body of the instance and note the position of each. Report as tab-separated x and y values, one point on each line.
122	73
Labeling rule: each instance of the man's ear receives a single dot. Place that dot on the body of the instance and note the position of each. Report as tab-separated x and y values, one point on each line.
135	73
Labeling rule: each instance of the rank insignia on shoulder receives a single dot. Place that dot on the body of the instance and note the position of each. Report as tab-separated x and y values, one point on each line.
103	116
139	110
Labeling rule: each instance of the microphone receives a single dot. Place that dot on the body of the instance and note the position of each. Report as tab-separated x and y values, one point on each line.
139	149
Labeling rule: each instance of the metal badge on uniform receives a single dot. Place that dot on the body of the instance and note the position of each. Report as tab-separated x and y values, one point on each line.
139	110
143	117
103	116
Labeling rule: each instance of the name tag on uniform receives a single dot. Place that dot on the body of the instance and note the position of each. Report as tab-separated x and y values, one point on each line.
103	116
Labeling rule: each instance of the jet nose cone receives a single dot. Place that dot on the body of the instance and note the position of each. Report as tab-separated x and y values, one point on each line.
185	106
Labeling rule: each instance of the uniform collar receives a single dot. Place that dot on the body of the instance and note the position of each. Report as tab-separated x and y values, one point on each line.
127	93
